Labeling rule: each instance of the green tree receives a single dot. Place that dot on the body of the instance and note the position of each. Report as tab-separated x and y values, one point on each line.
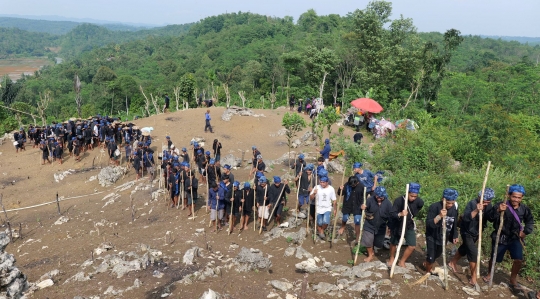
329	117
319	64
293	123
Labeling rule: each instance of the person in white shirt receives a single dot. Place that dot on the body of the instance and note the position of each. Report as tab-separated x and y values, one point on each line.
325	200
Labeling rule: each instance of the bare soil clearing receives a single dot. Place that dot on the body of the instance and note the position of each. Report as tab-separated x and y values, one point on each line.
16	67
95	219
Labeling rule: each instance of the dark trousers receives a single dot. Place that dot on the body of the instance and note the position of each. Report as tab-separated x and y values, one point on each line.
208	126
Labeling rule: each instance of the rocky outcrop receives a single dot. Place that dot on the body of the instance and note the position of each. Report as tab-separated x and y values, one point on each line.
13	282
109	175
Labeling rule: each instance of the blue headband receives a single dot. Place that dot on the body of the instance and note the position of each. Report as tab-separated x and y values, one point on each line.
450	194
380	192
516	188
489	194
414	188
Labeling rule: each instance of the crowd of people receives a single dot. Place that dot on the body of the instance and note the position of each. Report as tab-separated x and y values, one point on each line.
261	200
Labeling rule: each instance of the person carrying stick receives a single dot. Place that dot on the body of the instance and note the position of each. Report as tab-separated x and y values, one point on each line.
324	196
352	201
262	206
305	180
415	204
513	233
247	207
469	232
277	197
437	213
191	187
235	205
377	211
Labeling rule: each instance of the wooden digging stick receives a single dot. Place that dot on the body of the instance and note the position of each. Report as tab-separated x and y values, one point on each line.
182	195
207	188
231	215
340	199
445	266
494	257
191	192
254	207
298	193
361	229
480	218
402	238
277	203
242	212
315	217
264	208
309	205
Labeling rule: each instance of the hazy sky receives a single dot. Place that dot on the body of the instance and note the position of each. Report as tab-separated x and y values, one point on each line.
489	17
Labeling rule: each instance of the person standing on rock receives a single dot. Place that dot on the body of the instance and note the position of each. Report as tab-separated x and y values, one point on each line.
325	152
306	179
415	204
365	176
262	198
518	223
207	119
377	212
299	164
353	197
324	196
277	196
469	232
247	205
434	228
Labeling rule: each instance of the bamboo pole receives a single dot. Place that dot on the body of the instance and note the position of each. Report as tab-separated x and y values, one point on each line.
401	239
191	192
361	229
315	217
277	203
298	193
494	257
231	215
337	207
264	208
445	267
254	206
480	218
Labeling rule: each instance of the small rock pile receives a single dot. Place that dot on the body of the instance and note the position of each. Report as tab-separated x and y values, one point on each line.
110	174
13	282
235	110
251	260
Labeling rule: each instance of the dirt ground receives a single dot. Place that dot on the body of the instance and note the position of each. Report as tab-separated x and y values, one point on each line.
16	67
45	246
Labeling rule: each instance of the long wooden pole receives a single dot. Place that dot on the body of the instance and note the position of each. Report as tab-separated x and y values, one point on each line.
337	207
445	266
255	197
264	208
401	239
480	218
192	199
309	203
361	229
277	203
231	215
494	257
315	217
298	193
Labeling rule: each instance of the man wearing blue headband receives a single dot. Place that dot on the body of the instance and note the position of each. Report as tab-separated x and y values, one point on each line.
365	176
377	209
306	179
276	190
415	204
247	205
518	223
435	230
324	196
469	231
299	164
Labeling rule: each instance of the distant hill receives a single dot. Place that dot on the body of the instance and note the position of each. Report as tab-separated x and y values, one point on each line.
56	27
522	39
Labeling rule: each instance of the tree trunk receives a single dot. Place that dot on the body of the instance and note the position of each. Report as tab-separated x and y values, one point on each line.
321	88
127	107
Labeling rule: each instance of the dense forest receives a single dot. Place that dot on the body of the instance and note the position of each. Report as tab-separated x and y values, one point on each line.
475	99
